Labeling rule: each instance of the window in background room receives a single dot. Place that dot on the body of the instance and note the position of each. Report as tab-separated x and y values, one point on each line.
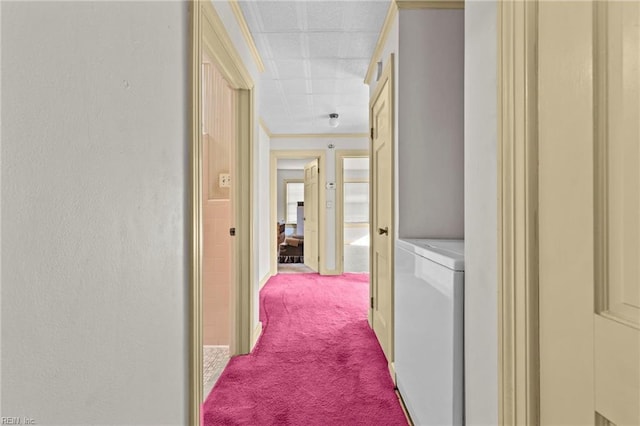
294	193
356	202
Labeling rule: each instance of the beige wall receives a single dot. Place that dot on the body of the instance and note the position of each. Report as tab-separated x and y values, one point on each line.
216	271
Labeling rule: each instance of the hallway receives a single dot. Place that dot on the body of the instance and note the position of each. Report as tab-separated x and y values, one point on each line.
316	363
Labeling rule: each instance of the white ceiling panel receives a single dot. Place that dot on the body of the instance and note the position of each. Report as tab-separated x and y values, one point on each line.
350	68
324	68
300	101
326	44
316	54
285	45
292	69
325	101
369	16
351	85
326	15
345	99
320	87
297	86
357	44
278	16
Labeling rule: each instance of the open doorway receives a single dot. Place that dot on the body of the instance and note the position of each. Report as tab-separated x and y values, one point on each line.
220	200
298	221
219	102
353	210
291	215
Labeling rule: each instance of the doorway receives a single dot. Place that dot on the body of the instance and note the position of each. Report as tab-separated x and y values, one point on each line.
353	210
210	43
219	137
293	206
297	242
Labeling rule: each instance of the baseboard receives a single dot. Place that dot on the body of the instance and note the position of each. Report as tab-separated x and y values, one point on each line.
256	335
331	272
392	372
404	407
264	279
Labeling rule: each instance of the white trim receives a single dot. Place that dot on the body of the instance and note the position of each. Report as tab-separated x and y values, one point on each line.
518	342
265	279
257	331
246	33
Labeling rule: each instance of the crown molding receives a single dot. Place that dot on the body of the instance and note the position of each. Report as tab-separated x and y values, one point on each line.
244	28
265	127
382	39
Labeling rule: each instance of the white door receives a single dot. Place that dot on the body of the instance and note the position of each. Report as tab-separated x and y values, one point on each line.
382	215
589	212
311	214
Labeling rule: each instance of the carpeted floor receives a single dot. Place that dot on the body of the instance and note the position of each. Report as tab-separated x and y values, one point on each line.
316	363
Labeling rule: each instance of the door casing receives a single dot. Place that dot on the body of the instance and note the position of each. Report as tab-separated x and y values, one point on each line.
519	287
518	343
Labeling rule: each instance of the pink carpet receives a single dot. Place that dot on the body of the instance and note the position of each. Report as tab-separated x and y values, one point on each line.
316	363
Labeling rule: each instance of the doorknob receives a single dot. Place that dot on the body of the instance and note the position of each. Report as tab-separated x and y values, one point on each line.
232	232
384	230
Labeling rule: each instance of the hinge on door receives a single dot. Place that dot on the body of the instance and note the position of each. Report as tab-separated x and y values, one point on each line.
372	133
372	302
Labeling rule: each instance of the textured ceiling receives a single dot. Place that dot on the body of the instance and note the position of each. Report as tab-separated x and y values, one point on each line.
316	55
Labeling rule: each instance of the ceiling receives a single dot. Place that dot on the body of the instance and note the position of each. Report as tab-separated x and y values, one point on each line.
316	55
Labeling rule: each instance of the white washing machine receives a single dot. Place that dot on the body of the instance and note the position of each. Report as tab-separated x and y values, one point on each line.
429	304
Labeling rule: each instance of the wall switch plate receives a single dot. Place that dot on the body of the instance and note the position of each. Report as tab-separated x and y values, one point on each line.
224	180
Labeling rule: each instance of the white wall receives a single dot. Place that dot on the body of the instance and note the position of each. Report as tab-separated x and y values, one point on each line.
481	293
263	211
329	175
94	212
431	124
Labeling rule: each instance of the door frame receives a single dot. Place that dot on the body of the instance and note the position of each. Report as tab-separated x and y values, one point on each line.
341	154
208	31
274	156
518	287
